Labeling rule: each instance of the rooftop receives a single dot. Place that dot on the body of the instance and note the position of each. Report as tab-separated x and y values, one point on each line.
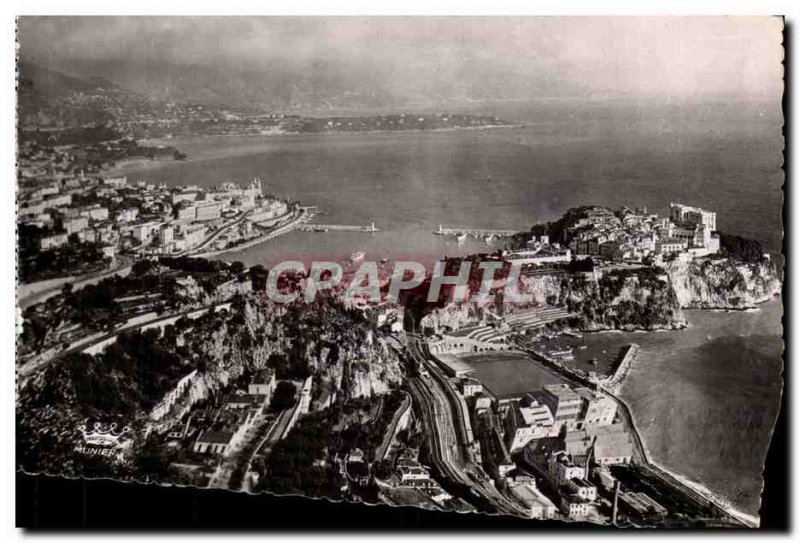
215	437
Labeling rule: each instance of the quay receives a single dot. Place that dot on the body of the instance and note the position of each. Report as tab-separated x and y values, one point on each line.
478	232
338	228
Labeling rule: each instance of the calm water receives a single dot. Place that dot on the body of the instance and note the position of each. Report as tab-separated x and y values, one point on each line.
707	397
503	178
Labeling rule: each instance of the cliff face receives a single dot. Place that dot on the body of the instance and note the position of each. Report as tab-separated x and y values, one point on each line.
625	300
348	358
370	369
453	316
723	283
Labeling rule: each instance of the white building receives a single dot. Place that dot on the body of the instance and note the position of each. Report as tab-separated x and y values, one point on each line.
537	504
51	242
683	214
74	225
598	409
263	383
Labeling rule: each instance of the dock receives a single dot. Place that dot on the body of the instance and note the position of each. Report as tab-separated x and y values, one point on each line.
475	232
307	227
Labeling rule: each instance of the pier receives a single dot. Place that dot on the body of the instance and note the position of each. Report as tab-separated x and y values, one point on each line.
338	228
627	358
476	232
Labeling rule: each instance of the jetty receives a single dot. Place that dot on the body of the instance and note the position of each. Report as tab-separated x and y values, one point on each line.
475	232
627	357
308	227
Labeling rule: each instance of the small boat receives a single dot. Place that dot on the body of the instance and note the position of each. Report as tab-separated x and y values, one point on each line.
461	237
358	255
593	361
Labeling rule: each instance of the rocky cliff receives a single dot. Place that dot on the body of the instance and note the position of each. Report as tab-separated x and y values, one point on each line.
723	283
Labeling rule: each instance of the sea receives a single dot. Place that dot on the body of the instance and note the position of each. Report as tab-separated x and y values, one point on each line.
705	398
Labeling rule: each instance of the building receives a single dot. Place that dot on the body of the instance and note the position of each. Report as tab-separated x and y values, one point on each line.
596	409
611	250
641	504
263	383
186	212
564	404
172	396
412	475
57	200
536	504
109	251
683	214
227	431
127	215
95	212
546	255
143	232
607	445
524	423
576	507
183	196
53	241
74	225
244	401
117	182
208	211
561	468
482	404
471	387
213	442
671	245
166	235
535	413
583	489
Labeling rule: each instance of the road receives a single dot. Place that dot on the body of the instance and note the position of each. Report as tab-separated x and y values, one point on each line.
24	372
302	215
120	265
216	233
392	429
264	447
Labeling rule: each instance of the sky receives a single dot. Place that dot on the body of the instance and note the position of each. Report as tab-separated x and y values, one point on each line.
669	57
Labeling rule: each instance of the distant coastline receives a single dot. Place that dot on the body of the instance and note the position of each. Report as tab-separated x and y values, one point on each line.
144	164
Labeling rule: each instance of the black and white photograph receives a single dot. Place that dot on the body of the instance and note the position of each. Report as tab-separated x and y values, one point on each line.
522	267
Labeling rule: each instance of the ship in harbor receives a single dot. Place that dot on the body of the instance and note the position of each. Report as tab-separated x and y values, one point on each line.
357	256
461	237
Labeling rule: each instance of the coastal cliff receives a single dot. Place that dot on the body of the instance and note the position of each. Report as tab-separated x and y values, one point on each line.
723	283
631	298
622	300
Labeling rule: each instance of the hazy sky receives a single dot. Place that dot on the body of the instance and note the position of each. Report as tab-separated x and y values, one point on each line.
676	57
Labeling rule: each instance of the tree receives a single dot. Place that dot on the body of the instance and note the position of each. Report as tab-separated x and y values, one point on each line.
383	469
142	267
284	395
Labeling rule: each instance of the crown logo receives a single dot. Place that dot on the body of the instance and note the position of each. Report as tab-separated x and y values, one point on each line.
102	434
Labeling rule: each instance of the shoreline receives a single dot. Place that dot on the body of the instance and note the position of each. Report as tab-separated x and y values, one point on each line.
722	503
285	133
125	166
